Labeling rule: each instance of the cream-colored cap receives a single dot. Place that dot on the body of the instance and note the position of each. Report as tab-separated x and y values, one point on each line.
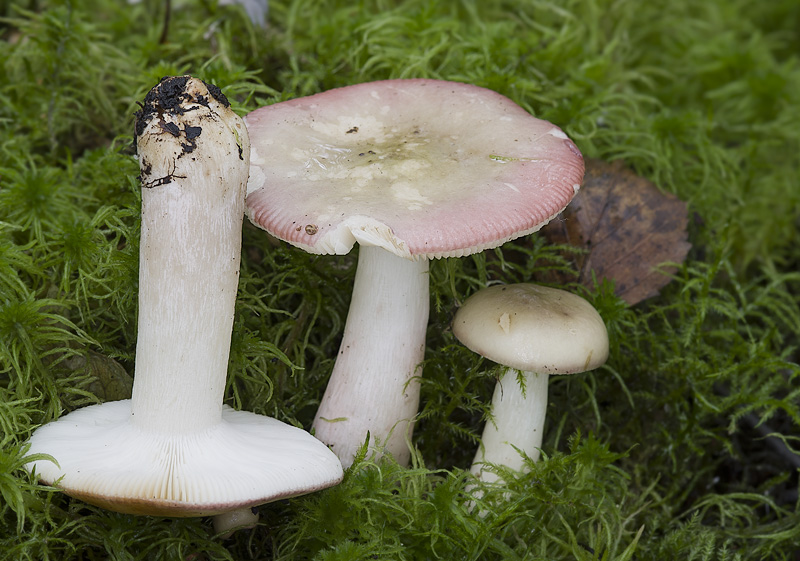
533	328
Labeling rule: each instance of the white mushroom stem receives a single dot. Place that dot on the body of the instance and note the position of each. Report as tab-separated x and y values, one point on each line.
188	276
373	386
517	424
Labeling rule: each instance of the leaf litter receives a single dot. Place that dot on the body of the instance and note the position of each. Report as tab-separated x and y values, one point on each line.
629	231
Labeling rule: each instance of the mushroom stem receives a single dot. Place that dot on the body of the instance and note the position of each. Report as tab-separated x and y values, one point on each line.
188	276
372	387
510	432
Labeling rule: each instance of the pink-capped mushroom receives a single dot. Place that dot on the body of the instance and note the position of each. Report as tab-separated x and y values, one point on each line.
412	170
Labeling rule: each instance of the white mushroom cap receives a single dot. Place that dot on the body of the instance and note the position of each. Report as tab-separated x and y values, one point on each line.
106	460
421	168
533	329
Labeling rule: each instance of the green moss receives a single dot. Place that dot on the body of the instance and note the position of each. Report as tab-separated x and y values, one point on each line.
680	447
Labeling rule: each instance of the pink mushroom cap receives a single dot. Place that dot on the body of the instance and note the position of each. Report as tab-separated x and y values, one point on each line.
423	168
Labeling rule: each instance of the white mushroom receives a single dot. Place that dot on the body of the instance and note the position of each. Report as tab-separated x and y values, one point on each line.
174	449
227	523
536	332
412	170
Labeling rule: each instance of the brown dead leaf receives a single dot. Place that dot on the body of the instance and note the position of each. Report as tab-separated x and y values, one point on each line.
627	227
111	381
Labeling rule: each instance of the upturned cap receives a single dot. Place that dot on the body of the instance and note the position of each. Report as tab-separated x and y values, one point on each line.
245	460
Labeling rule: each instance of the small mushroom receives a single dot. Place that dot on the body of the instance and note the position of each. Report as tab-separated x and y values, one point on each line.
412	170
227	523
174	449
536	332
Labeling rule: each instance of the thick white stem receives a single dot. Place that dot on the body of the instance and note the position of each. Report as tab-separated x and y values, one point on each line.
373	387
517	424
195	164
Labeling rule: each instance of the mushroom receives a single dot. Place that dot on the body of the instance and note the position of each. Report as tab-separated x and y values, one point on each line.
412	170
173	449
536	332
227	523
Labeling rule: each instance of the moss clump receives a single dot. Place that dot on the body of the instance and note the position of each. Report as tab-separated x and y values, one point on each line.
681	447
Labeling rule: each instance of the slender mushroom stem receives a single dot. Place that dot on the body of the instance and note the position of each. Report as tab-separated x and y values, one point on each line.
373	387
517	423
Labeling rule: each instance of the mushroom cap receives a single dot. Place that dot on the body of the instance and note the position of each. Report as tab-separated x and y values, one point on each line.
533	328
246	459
422	168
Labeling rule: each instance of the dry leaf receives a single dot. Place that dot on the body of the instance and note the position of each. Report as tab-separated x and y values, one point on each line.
111	381
627	227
